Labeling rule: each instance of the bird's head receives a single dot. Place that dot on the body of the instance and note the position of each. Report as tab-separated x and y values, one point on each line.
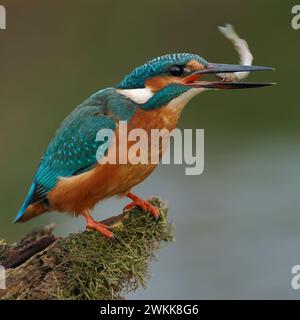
178	76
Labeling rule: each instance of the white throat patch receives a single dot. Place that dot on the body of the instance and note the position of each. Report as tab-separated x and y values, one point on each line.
141	95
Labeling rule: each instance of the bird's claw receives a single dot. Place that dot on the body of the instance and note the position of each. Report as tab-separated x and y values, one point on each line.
102	228
145	206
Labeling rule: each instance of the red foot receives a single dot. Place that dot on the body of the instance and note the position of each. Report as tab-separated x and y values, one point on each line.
98	226
145	205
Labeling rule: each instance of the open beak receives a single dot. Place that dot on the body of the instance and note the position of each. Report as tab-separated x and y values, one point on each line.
214	68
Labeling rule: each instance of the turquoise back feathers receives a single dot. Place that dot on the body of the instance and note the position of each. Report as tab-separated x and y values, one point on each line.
73	148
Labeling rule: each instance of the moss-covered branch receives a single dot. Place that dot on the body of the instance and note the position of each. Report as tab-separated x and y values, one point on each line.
85	265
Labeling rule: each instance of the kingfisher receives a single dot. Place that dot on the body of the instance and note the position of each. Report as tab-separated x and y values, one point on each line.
71	179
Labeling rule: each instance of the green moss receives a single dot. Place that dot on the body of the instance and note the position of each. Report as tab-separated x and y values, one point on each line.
98	268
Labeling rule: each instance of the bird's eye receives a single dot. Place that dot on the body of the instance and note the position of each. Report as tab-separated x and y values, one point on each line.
176	70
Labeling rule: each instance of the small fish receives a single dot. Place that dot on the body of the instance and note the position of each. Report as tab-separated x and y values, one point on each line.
243	50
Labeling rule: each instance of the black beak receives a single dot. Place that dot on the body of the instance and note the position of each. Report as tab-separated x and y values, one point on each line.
216	68
227	68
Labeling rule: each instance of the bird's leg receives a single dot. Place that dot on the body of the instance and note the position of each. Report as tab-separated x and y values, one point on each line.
144	204
98	226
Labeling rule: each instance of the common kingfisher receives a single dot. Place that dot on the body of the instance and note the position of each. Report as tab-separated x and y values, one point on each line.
70	179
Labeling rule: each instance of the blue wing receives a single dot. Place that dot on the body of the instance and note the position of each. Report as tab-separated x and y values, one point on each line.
74	147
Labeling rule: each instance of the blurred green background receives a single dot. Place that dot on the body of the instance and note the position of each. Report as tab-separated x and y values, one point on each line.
238	224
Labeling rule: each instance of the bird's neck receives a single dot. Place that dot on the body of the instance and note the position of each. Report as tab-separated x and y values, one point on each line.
164	117
160	109
148	99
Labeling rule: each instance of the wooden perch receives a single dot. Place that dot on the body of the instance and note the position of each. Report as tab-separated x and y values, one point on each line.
85	265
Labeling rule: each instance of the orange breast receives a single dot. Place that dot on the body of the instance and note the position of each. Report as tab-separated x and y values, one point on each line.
81	192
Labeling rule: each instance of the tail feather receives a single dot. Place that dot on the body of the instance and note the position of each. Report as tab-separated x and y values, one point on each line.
26	203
